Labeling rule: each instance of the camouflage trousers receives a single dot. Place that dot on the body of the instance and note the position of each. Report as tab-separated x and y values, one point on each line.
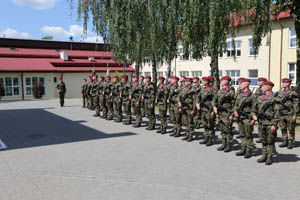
246	130
177	118
108	108
268	140
127	109
150	112
172	113
162	108
90	102
101	103
197	118
84	100
62	98
143	108
136	107
96	104
287	127
189	123
225	127
118	109
208	123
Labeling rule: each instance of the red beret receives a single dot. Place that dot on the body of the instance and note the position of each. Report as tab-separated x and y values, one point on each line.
161	78
125	76
115	77
142	77
262	79
134	76
240	79
211	78
205	78
226	78
188	79
148	77
245	80
175	77
196	78
286	80
108	77
84	79
268	83
101	77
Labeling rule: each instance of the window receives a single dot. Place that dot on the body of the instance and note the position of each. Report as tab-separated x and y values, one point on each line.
252	51
230	49
166	73
160	74
234	74
292	38
140	73
32	81
196	73
220	73
11	86
292	71
180	55
253	75
147	73
183	73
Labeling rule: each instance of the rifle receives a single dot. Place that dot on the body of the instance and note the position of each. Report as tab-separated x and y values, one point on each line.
282	102
242	106
262	115
202	104
222	101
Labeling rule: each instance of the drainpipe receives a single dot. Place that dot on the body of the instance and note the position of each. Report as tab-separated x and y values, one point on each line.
270	51
281	48
22	85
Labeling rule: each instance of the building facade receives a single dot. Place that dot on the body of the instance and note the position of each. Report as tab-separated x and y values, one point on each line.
22	68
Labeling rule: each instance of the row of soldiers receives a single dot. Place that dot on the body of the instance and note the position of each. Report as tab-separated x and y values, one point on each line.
191	105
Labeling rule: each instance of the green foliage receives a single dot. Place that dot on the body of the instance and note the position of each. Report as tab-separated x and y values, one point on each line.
116	73
49	37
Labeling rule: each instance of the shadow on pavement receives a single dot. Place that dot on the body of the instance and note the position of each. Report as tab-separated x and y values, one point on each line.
286	158
37	127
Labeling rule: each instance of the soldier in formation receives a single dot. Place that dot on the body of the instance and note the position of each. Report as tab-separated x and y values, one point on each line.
191	104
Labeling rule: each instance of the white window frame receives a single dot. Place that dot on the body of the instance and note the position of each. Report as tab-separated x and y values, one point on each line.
30	86
160	73
184	73
252	78
196	73
12	86
293	72
250	47
147	74
292	37
235	77
230	49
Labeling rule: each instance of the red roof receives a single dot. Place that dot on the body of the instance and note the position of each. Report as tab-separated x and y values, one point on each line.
48	60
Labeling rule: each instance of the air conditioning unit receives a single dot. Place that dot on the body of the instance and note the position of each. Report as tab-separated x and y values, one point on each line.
64	55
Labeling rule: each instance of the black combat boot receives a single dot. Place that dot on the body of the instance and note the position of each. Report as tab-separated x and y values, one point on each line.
284	143
150	128
178	133
96	115
262	159
164	130
159	131
228	147
186	136
248	153
190	138
137	125
258	141
241	152
110	118
204	141
222	147
269	160
209	141
290	145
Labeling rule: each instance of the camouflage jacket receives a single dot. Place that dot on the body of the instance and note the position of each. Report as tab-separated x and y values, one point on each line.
149	93
61	87
84	89
162	95
243	104
187	98
267	110
204	98
107	90
126	91
173	94
224	101
288	102
258	92
94	89
116	91
136	92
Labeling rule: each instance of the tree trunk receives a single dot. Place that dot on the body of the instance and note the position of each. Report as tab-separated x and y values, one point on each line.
214	66
154	72
137	69
169	69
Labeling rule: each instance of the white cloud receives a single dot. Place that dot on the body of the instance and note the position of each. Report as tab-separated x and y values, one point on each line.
12	33
36	4
74	30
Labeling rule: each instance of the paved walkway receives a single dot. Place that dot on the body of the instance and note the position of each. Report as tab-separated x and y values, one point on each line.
66	154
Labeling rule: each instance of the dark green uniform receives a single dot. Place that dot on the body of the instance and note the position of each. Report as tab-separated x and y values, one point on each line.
258	92
126	90
108	100
101	85
224	101
267	111
143	108
289	107
243	106
95	97
173	99
197	117
84	94
61	89
161	101
205	98
89	96
149	98
116	92
136	97
186	98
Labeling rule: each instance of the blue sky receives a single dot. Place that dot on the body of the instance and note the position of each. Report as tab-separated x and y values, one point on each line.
34	19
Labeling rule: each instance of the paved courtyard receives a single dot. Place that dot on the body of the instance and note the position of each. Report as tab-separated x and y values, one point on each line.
66	154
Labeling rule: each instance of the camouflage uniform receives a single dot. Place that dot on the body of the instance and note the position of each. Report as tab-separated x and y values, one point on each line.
102	105
61	88
161	100
84	94
89	96
173	99
289	107
108	100
258	92
126	90
224	101
186	98
197	117
149	98
204	98
95	97
143	108
243	106
116	92
171	113
136	97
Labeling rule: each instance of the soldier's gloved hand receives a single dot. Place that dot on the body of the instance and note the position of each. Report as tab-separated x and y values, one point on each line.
236	114
294	118
273	129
